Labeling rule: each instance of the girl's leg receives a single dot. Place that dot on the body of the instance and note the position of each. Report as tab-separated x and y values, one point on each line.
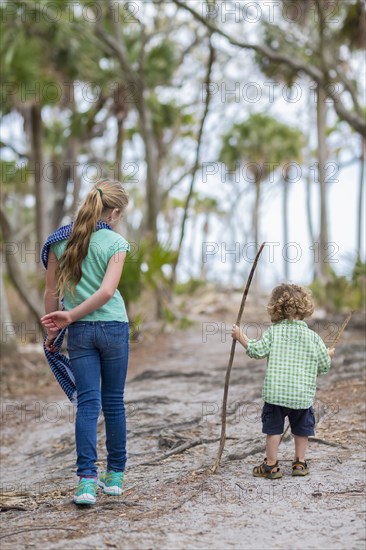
85	363
301	445
272	444
114	350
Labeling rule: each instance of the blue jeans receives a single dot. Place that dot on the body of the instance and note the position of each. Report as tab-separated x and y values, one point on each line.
98	352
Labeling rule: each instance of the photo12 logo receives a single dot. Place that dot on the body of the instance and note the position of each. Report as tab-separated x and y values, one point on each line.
72	11
289	252
268	11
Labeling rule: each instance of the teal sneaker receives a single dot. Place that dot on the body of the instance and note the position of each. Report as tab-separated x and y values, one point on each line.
86	491
111	482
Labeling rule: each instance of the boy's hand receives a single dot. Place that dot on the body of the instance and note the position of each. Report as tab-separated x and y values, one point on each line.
237	335
235	332
331	352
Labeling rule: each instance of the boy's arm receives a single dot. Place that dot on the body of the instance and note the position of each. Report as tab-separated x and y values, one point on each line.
324	357
239	336
257	349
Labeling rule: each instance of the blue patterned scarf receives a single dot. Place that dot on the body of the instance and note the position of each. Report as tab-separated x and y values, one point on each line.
60	364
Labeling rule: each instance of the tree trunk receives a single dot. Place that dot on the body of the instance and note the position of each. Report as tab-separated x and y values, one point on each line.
361	199
203	274
322	267
309	215
15	270
8	341
256	211
285	224
36	159
152	175
211	59
61	175
119	148
121	112
308	180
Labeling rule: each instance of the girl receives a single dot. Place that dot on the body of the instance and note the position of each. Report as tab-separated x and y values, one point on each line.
85	268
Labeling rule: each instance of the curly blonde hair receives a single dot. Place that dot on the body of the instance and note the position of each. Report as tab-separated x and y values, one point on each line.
290	302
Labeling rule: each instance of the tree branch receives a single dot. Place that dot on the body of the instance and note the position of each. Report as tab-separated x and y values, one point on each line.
14	269
354	120
210	63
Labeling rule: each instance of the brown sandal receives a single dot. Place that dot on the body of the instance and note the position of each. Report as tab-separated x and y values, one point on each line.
300	468
267	471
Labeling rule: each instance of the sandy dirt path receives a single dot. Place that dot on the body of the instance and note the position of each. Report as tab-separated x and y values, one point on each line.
171	500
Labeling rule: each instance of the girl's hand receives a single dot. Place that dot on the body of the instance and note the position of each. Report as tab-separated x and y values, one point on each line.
56	320
331	352
51	337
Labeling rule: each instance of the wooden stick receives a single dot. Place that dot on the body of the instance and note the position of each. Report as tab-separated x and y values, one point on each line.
341	330
337	338
231	359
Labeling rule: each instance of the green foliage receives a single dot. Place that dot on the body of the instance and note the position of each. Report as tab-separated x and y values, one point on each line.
160	64
353	30
169	115
184	323
189	287
156	257
168	315
276	70
263	141
342	293
14	178
135	327
131	283
144	269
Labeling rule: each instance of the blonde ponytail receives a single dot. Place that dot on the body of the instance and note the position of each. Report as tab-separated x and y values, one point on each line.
106	195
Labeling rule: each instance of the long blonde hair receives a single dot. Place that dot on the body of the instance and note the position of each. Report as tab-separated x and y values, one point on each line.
96	204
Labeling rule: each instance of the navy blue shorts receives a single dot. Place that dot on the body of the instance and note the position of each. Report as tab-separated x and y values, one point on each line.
302	421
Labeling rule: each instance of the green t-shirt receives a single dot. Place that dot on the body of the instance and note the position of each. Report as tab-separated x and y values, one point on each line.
104	243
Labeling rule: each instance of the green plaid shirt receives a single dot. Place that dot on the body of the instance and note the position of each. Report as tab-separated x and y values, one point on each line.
295	356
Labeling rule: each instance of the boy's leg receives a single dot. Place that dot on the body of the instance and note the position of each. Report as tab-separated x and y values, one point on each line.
272	425
301	445
272	444
302	423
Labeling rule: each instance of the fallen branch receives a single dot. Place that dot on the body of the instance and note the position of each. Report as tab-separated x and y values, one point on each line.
231	359
241	456
329	443
184	447
37	529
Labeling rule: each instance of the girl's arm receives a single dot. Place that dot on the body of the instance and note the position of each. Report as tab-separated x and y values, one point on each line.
104	294
60	319
51	297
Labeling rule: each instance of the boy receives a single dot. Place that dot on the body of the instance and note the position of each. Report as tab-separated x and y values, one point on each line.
295	356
